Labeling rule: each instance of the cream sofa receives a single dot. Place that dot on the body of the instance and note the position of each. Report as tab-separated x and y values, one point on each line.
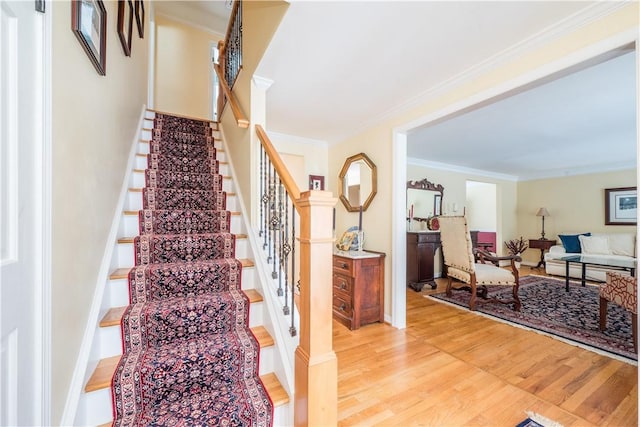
606	246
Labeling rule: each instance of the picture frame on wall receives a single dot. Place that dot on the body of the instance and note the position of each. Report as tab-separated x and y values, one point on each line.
621	206
316	182
125	25
89	23
140	17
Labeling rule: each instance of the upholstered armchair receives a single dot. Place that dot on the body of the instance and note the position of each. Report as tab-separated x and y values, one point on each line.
475	269
622	290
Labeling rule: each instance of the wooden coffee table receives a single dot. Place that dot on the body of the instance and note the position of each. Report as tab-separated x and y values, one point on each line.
584	260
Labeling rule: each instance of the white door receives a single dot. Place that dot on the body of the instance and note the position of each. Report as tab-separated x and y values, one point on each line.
21	249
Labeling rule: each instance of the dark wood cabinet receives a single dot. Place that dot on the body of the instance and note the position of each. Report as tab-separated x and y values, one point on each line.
421	252
358	289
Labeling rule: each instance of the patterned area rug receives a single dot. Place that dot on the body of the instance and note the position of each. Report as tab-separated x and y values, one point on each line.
189	358
572	316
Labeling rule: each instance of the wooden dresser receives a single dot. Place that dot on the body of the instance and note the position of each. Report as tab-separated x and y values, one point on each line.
421	251
358	288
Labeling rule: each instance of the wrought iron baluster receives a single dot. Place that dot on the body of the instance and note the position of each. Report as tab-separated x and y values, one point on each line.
286	248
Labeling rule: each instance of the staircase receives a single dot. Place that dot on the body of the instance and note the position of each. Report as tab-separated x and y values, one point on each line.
95	406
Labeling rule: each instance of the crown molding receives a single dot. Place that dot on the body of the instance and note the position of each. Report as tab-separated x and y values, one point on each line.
460	169
555	31
555	173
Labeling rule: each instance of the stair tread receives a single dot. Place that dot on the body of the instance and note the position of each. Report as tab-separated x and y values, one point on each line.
112	317
123	273
166	113
254	296
131	239
277	393
102	375
120	273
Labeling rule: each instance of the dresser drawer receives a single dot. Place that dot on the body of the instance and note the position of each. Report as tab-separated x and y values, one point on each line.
342	283
343	264
342	305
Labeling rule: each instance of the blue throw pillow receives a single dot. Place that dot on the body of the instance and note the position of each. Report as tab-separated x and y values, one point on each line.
571	242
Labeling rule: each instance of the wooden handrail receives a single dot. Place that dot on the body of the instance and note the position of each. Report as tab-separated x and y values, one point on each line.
282	171
241	119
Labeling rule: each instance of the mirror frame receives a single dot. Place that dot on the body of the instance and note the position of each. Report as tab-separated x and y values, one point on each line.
374	181
425	184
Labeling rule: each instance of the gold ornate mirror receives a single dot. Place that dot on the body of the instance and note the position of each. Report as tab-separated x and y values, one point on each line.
358	182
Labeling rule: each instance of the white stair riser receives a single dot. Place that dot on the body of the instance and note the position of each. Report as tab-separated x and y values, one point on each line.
130	226
145	135
124	253
134	201
256	314
118	290
267	362
95	408
282	415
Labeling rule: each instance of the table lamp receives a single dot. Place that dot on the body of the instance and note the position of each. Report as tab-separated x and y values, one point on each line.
543	212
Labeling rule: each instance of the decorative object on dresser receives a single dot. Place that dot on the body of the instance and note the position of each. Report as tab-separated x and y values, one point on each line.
542	212
458	252
358	288
543	245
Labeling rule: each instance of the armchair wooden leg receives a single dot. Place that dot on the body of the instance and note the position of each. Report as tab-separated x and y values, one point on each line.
449	281
474	295
516	304
603	314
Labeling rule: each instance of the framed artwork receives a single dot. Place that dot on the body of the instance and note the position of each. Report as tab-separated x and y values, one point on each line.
140	17
125	25
89	23
316	182
621	206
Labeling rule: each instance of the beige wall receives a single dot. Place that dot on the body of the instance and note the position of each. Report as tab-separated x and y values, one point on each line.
94	124
183	81
377	141
482	205
576	204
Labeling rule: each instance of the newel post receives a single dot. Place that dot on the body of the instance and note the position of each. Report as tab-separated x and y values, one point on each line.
316	366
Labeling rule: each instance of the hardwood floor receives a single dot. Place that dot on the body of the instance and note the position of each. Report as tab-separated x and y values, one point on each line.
451	367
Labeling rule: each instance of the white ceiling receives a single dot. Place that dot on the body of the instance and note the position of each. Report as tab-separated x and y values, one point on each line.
339	67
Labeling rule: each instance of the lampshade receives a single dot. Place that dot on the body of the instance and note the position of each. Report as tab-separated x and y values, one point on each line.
543	212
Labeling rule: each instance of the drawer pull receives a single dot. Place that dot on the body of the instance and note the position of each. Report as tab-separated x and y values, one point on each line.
343	265
343	286
343	306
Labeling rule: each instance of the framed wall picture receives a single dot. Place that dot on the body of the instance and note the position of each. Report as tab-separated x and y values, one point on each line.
140	17
621	206
125	24
316	182
89	23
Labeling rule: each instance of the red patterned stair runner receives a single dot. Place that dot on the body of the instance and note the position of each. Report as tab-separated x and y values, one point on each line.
189	356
